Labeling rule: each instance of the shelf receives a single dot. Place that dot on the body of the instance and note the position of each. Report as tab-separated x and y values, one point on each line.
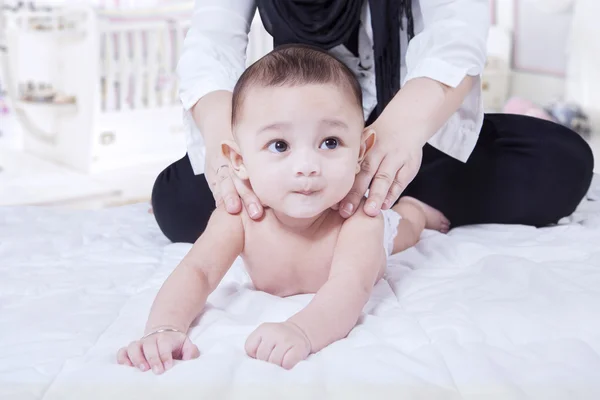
63	108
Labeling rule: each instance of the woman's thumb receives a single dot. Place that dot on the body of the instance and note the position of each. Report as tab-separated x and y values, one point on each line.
189	350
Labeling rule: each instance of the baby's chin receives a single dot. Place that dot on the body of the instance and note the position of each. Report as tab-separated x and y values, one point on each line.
303	214
298	206
304	211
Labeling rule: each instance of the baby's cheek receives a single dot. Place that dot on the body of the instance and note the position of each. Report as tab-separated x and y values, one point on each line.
267	189
343	183
261	189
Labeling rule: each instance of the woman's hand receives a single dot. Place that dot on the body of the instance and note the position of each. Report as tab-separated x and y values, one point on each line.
388	168
411	118
227	188
212	115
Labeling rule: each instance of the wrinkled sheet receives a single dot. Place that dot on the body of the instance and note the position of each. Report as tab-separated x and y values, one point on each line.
486	311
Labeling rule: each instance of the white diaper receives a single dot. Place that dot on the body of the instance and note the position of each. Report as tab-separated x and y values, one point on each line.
391	219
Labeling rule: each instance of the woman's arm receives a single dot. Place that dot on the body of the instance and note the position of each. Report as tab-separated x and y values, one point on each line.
443	62
423	106
214	50
212	115
213	58
450	51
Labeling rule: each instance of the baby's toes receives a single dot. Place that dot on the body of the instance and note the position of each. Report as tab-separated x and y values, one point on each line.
444	225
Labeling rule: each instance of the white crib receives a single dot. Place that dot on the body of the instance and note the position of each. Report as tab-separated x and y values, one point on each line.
118	68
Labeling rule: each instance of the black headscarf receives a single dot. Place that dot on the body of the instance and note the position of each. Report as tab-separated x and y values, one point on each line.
328	23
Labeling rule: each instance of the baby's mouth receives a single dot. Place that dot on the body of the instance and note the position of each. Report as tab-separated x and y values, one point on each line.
307	192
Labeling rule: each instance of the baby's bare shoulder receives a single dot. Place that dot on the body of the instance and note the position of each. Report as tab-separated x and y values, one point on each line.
361	218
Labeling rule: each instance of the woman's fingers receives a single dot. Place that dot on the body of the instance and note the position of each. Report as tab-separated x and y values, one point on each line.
226	191
249	199
403	178
394	192
361	183
380	186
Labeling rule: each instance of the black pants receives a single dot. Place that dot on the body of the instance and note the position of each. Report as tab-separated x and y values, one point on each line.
523	170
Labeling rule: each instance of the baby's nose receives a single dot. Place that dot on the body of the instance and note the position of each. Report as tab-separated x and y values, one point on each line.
307	165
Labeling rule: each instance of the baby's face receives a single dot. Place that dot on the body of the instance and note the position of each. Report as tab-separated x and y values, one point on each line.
300	146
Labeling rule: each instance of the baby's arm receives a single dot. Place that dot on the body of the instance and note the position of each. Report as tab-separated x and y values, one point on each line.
183	295
357	264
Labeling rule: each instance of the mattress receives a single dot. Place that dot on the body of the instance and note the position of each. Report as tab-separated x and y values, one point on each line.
488	311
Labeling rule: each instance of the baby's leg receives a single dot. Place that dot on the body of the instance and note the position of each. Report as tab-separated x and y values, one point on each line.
416	216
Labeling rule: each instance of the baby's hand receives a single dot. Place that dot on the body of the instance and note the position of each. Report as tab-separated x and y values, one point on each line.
284	344
157	351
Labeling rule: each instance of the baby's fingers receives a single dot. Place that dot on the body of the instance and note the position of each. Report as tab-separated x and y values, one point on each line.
252	343
165	352
189	350
123	358
151	353
134	351
292	357
264	349
278	354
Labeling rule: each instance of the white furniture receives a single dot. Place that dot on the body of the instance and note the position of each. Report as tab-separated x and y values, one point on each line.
496	77
125	125
119	67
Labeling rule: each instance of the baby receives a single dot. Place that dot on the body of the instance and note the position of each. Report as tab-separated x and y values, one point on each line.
299	134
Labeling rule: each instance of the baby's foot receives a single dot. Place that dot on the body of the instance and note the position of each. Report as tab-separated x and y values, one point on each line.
434	219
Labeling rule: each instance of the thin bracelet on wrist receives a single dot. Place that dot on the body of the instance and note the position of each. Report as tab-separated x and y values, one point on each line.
161	330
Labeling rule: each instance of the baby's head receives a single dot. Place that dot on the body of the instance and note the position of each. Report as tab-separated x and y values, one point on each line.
298	125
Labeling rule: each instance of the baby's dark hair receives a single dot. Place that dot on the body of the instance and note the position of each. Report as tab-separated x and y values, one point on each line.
293	65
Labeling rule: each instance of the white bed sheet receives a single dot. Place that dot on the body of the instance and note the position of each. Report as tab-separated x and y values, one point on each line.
487	311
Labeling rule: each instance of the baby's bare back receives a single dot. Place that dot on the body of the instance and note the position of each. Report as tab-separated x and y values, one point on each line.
283	262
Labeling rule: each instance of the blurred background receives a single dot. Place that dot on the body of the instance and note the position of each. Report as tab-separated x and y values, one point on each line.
89	111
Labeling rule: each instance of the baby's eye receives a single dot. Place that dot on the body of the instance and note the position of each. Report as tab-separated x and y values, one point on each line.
278	146
329	143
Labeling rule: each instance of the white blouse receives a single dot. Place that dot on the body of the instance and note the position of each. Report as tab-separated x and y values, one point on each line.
449	43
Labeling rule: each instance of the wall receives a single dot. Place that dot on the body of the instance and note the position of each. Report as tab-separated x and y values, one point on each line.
540	31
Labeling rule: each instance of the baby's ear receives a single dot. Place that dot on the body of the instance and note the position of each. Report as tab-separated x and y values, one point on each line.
231	151
366	143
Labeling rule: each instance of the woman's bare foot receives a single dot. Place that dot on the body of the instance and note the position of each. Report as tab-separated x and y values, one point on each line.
434	219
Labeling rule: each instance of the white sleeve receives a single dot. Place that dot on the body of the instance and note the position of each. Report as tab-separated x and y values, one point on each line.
213	58
453	42
451	45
